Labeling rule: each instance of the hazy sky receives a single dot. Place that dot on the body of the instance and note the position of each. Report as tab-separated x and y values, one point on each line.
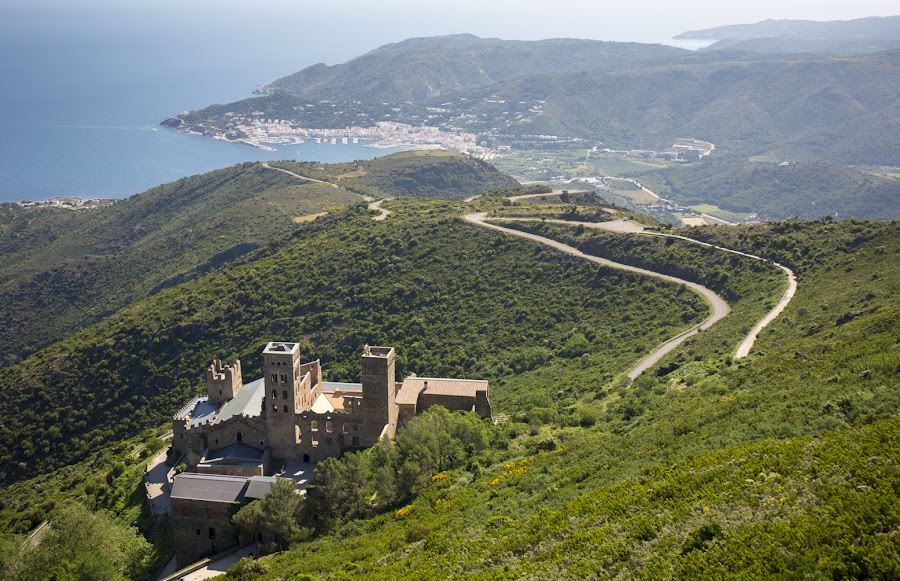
281	36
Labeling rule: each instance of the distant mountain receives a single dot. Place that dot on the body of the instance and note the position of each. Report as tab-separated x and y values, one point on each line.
864	35
420	69
844	109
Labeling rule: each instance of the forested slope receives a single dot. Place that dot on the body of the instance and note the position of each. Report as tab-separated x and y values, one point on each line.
454	300
65	270
778	466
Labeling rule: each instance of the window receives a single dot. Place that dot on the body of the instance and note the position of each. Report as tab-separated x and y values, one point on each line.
275	408
285	409
355	441
262	443
239	437
328	426
212	533
274	380
314	426
198	532
274	394
210	513
284	394
345	428
284	378
185	511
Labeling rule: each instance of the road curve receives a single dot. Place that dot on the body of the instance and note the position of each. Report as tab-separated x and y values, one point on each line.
377	206
744	348
719	306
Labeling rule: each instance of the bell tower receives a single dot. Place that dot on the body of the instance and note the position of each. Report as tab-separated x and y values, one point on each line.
281	373
379	394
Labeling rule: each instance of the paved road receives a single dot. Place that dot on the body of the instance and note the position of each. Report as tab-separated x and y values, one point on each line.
629	227
158	484
719	306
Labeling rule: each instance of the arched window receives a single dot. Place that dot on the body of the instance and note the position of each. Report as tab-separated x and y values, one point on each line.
274	394
274	378
239	437
284	378
328	426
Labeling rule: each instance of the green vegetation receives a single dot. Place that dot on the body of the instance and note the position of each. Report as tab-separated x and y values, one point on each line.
781	464
109	484
63	271
778	191
429	174
456	300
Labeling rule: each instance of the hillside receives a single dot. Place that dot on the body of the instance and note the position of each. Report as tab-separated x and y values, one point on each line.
781	465
778	191
841	109
791	448
64	270
421	69
433	174
624	95
455	301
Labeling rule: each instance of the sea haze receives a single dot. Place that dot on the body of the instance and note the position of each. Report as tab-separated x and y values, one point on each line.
81	106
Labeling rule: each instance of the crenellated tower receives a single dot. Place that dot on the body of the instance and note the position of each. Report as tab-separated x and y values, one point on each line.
223	382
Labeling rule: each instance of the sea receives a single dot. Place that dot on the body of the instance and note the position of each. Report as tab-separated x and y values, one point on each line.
80	108
85	86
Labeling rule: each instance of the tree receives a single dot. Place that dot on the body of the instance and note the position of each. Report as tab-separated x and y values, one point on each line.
276	516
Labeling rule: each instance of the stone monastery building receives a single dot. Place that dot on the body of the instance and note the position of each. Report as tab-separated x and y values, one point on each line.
292	414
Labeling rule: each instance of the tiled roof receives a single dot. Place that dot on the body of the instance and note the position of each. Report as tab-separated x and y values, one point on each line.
413	386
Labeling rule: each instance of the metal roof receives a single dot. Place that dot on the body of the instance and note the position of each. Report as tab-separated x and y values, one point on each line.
209	487
259	486
236	451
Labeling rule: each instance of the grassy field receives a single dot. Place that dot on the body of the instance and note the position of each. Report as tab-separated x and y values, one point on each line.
720	213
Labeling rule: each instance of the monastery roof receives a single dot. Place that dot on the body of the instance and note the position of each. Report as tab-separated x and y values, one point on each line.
259	486
248	401
209	487
322	405
413	386
281	347
333	386
236	451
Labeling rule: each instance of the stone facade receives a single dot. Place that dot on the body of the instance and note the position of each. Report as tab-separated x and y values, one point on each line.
238	431
292	414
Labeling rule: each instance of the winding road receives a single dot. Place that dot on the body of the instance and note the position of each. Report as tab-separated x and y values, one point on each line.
719	307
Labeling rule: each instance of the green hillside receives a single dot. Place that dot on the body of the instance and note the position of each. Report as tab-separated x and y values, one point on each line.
65	270
456	301
434	174
776	191
840	108
420	69
780	466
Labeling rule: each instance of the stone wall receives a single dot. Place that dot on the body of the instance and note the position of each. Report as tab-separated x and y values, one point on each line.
201	528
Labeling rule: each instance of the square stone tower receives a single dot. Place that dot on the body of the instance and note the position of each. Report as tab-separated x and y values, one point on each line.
379	394
282	378
223	383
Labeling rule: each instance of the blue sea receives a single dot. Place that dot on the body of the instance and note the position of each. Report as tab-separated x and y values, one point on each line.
82	98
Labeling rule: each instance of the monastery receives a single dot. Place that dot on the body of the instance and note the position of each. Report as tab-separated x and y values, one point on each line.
238	434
